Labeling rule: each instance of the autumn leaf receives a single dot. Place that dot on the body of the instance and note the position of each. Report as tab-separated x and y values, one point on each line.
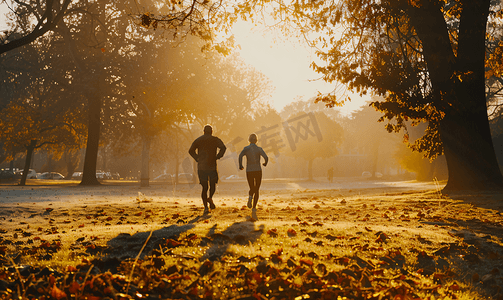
205	268
71	269
272	232
191	237
306	261
58	294
381	237
173	243
74	288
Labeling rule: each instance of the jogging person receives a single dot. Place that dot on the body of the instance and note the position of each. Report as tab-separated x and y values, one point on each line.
204	152
253	169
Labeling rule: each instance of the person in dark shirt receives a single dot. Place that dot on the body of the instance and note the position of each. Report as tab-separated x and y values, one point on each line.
253	168
204	152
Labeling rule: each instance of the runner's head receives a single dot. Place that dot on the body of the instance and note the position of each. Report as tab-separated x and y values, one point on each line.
208	129
253	138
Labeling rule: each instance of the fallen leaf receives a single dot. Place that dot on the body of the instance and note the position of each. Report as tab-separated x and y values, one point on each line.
306	261
57	293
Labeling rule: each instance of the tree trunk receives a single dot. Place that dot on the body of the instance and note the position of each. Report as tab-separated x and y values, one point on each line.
177	167
468	146
458	81
469	152
93	140
310	169
29	154
145	158
375	157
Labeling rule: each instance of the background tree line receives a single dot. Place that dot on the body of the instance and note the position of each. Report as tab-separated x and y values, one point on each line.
436	63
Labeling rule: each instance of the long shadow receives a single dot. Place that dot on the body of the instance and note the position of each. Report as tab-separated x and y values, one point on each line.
241	233
126	246
200	218
479	252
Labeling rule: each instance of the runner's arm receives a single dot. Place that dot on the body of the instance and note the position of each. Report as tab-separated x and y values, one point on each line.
221	148
240	159
264	156
192	151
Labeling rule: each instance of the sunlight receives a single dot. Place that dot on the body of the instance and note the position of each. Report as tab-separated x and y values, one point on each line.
287	63
3	20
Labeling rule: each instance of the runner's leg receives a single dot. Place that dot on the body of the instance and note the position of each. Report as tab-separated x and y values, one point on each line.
203	180
213	177
249	178
204	194
251	185
258	181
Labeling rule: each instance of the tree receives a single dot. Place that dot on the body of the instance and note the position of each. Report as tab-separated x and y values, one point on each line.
40	126
427	58
226	94
494	68
367	134
36	113
332	136
90	29
152	93
47	14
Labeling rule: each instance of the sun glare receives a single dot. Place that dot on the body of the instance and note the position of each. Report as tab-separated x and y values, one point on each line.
287	64
286	61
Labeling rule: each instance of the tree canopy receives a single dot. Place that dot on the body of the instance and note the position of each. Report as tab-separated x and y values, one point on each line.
427	58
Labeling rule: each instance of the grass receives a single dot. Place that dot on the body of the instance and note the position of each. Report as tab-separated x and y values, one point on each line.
305	244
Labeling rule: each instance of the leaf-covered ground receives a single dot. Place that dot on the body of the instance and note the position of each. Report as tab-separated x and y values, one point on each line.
305	242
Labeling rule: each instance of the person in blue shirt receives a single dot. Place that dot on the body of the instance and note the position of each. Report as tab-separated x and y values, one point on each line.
253	168
204	152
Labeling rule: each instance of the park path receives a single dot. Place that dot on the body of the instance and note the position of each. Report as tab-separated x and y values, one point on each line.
110	191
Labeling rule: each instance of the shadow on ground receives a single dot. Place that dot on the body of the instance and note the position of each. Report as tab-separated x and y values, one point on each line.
241	233
126	246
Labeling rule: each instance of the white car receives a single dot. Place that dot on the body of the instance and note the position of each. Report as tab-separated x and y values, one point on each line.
31	174
366	174
164	177
51	175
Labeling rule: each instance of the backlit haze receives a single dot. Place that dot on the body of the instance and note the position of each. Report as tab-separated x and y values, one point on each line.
287	64
285	61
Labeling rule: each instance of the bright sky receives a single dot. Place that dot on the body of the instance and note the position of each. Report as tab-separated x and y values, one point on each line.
3	21
287	64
